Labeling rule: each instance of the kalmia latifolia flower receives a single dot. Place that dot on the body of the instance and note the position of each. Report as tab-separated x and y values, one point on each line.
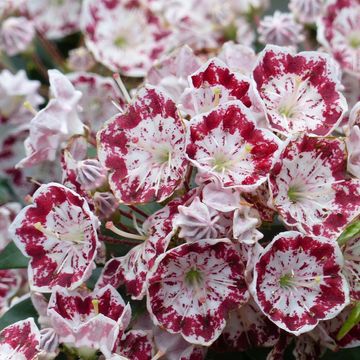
280	29
91	321
226	145
129	46
299	92
54	124
310	189
16	34
298	281
306	11
15	90
95	103
20	340
214	84
144	149
339	33
54	19
58	233
192	287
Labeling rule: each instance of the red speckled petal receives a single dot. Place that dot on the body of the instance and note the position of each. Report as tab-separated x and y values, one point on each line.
298	281
144	149
227	145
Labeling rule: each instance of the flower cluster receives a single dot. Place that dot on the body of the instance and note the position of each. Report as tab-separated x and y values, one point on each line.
203	198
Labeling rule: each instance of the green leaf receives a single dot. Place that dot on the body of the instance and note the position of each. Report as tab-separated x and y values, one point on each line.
20	311
351	231
12	258
352	320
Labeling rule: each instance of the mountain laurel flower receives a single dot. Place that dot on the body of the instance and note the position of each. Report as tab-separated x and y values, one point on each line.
298	281
58	233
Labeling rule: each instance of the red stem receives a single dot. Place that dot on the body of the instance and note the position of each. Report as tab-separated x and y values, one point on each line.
140	212
112	240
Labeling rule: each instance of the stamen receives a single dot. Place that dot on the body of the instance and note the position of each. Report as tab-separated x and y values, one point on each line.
217	92
30	108
76	238
110	226
118	107
95	304
122	87
158	355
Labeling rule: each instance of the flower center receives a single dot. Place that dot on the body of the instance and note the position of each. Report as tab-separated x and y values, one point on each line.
76	236
286	280
221	162
163	155
354	40
120	41
194	277
293	194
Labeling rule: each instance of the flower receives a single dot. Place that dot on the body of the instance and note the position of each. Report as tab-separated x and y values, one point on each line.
129	46
54	124
298	281
15	90
226	145
144	149
338	32
58	233
299	92
213	84
310	189
239	58
280	29
20	340
16	34
89	321
306	11
192	287
54	19
98	92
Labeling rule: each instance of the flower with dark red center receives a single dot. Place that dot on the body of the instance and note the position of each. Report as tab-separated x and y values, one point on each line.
20	340
192	287
58	233
299	92
298	281
144	149
310	188
226	145
92	321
